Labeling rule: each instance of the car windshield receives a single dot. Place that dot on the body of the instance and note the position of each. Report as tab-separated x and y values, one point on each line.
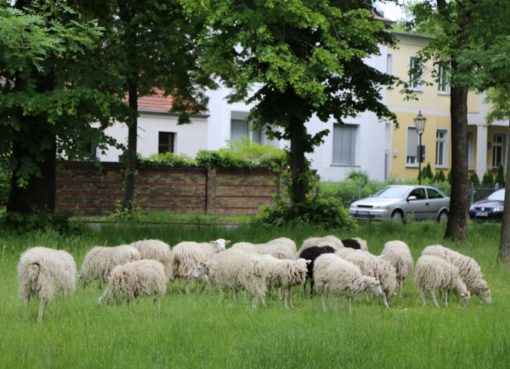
392	192
499	195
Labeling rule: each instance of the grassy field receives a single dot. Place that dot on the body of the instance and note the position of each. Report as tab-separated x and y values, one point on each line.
202	329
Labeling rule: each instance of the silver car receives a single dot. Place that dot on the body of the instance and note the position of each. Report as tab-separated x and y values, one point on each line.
401	201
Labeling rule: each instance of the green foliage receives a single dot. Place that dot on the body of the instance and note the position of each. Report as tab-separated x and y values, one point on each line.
449	177
474	180
322	212
488	180
130	213
13	222
169	159
358	176
439	177
5	182
426	173
500	177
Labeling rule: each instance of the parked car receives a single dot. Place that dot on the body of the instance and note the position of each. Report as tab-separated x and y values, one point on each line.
397	202
490	207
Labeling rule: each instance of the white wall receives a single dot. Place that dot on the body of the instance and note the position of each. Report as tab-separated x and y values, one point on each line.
189	138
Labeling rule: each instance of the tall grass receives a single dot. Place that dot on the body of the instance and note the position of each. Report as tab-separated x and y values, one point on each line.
205	329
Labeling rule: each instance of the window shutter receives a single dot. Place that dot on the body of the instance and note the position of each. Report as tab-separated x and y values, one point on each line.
412	141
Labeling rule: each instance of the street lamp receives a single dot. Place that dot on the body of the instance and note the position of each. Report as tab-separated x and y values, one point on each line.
419	123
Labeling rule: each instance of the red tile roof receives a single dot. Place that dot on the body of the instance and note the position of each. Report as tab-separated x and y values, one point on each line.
155	103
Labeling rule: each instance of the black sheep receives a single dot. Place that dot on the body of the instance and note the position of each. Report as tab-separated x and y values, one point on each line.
311	254
352	244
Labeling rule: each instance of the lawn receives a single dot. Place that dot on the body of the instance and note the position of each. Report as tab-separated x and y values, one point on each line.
203	329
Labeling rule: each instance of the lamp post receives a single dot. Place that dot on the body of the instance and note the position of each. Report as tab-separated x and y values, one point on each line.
419	123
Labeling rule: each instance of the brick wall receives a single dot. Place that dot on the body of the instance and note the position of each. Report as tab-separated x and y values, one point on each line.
87	189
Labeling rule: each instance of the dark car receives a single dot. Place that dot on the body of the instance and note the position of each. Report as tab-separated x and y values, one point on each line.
489	208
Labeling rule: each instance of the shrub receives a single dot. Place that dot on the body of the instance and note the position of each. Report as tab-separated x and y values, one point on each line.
426	173
39	220
439	177
319	211
500	176
169	159
474	180
358	176
487	180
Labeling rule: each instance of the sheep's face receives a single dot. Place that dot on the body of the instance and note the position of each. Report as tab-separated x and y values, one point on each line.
374	286
464	296
220	244
485	294
201	270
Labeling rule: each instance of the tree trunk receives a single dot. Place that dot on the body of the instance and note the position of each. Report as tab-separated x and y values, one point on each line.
504	241
130	157
299	182
40	191
456	228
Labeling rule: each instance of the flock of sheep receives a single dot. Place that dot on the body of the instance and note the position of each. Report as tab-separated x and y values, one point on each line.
333	266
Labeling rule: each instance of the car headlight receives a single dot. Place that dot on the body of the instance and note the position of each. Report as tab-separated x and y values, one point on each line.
498	209
472	207
381	207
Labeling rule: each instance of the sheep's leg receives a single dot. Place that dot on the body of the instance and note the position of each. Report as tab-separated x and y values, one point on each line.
311	287
289	296
401	288
350	305
42	302
157	301
324	307
385	299
446	298
434	300
422	296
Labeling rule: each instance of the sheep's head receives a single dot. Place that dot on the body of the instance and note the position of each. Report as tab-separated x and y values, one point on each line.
464	296
201	270
220	244
300	269
374	285
485	292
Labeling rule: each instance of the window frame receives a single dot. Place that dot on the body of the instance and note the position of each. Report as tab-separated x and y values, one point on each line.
170	145
414	163
415	73
354	133
444	142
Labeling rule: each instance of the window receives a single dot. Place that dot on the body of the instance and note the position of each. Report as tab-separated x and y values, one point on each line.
415	72
441	148
344	144
419	193
239	127
412	146
166	142
498	150
389	64
89	148
443	80
433	194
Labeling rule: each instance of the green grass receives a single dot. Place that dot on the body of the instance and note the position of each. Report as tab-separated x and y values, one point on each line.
202	329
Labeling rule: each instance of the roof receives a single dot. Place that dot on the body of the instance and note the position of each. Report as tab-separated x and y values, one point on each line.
158	103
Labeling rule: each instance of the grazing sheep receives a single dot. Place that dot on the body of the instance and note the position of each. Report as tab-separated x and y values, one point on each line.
469	270
135	279
373	266
338	276
99	261
310	254
188	255
237	269
284	274
156	250
399	255
433	273
44	272
331	241
280	248
356	243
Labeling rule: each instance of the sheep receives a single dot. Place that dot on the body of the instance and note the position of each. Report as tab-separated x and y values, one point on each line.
356	243
188	255
236	269
338	276
99	262
399	255
284	274
134	279
331	241
44	272
156	250
373	266
469	270
280	248
310	254
433	272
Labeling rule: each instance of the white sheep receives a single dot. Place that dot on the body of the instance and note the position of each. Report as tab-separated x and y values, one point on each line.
373	266
135	279
399	255
100	260
44	273
280	248
469	270
434	273
156	250
330	240
236	269
188	255
284	274
337	276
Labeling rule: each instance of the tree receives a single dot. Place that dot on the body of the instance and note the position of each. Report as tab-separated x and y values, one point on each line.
50	92
151	45
293	60
450	23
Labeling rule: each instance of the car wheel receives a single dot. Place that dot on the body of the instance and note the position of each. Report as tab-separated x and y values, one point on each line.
397	216
443	217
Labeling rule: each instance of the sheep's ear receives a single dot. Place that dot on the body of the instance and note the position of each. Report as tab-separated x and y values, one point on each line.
227	242
308	262
204	263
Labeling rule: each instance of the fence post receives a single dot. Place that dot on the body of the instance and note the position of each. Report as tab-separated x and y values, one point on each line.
210	190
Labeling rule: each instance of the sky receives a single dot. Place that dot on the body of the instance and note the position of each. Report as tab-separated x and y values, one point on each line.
392	10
